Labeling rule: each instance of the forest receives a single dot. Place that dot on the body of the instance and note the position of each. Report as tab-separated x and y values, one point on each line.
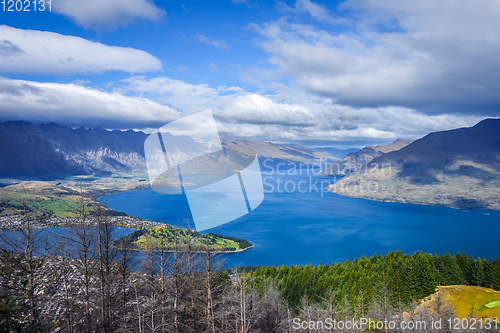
401	278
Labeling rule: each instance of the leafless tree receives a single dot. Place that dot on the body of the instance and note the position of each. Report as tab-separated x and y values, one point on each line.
80	244
23	257
107	272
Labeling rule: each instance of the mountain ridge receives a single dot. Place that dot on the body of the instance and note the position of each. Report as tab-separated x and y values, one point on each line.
459	168
57	151
355	161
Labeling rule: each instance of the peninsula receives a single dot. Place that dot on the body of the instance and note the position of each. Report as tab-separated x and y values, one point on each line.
169	238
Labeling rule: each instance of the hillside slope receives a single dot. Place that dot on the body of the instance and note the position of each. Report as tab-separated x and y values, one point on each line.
458	168
464	301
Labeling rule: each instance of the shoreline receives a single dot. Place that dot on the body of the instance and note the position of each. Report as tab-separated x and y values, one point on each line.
416	203
17	222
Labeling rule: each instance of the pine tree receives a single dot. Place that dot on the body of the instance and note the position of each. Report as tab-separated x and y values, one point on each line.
410	281
475	274
427	277
496	269
463	263
489	274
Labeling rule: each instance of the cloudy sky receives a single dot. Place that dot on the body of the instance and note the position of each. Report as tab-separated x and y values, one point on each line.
339	73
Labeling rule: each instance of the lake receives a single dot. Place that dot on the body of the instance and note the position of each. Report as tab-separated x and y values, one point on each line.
313	226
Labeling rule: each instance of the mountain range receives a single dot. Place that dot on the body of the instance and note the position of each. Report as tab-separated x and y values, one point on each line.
458	168
56	151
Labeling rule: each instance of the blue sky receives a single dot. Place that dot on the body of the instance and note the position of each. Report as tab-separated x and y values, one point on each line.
342	73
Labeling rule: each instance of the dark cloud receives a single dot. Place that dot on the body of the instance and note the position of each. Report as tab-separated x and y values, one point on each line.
18	90
9	49
443	58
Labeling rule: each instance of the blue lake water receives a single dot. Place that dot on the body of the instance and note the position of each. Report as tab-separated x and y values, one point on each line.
293	227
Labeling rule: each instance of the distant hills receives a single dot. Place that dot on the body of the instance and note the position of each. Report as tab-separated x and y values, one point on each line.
56	151
290	156
357	160
458	168
338	153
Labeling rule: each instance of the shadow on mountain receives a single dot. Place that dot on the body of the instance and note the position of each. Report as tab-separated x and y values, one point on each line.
467	203
418	174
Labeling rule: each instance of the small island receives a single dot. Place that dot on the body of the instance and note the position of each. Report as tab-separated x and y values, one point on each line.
169	238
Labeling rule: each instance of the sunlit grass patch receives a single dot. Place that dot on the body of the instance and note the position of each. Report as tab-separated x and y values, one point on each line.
492	305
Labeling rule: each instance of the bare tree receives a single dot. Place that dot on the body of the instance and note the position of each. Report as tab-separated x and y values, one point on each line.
80	245
210	265
106	255
125	261
68	293
24	256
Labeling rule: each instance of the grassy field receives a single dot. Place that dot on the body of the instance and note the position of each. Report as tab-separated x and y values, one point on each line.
12	202
98	186
61	197
484	301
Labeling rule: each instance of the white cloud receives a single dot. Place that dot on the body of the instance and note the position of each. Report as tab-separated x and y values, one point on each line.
77	105
213	68
40	52
258	109
188	97
293	115
106	14
341	127
319	12
301	117
80	82
289	115
182	69
221	44
434	56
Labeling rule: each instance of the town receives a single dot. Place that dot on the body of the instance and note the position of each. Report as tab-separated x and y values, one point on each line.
20	222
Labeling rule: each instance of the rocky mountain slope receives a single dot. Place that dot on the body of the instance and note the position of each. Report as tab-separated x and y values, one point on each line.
357	160
56	151
458	168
